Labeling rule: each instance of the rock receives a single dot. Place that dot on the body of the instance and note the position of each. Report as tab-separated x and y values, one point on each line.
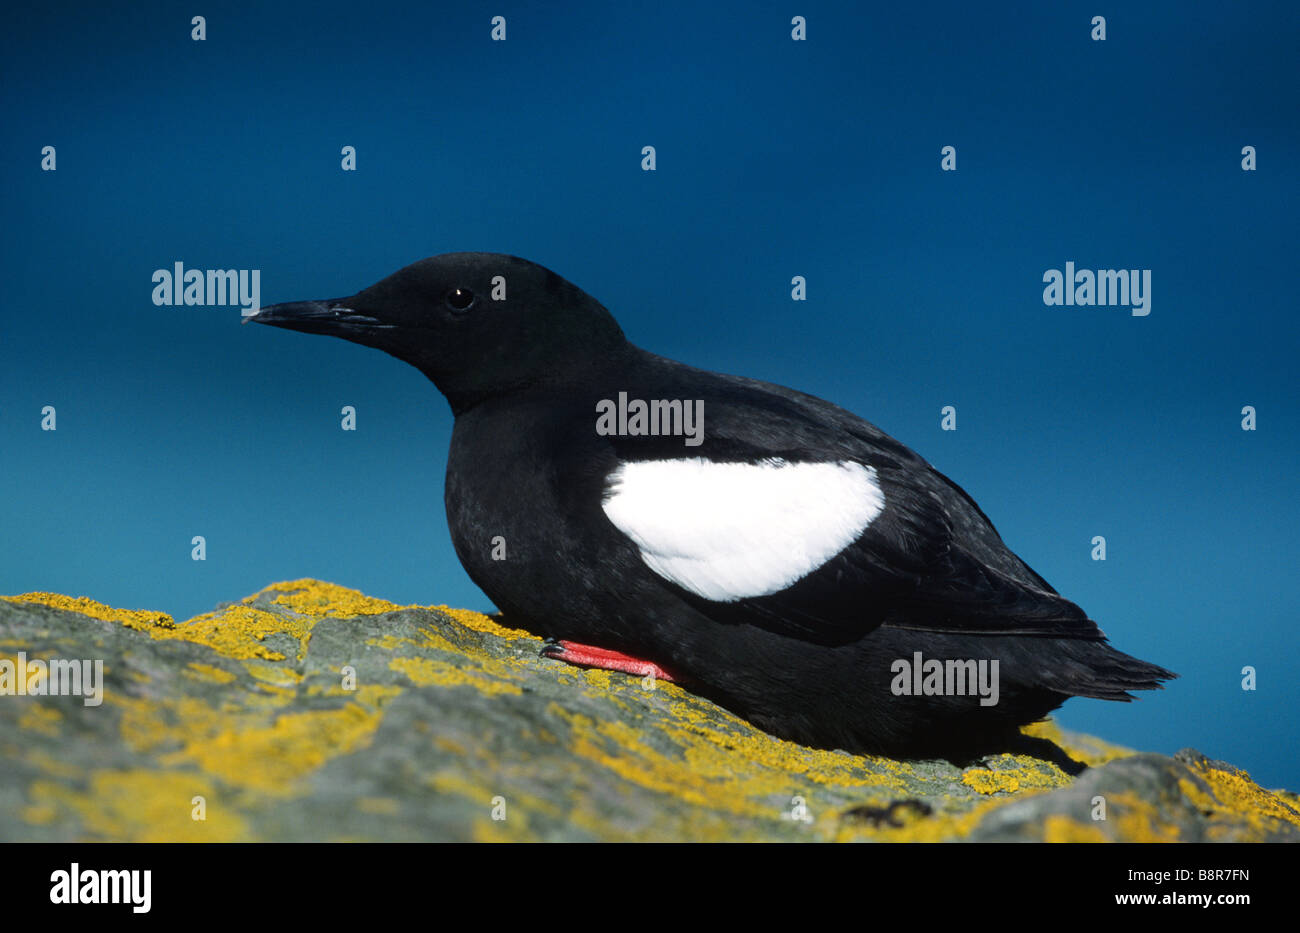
247	717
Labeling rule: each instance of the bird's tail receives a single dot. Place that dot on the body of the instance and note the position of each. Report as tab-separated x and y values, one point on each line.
1089	668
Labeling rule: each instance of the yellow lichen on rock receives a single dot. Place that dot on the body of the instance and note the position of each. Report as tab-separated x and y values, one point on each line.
42	719
1232	794
241	632
271	758
1060	828
235	632
132	618
425	672
1087	749
1139	820
1014	773
141	806
717	772
481	623
315	598
311	711
207	672
259	749
949	825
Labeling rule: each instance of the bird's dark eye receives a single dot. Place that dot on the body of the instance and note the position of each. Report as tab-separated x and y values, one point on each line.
460	299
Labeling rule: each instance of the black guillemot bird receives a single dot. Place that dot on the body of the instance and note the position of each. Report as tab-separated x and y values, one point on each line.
762	547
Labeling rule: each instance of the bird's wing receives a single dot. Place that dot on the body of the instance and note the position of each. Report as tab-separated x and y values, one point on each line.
821	540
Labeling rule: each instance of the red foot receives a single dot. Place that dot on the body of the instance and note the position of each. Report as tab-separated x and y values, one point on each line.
603	658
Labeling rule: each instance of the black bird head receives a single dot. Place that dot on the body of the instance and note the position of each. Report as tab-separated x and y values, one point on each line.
477	324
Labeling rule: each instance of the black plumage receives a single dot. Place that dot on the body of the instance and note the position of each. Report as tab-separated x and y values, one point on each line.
810	662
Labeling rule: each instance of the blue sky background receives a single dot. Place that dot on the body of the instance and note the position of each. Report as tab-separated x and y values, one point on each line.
775	159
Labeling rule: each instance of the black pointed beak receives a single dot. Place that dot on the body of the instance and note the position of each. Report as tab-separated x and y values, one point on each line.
334	316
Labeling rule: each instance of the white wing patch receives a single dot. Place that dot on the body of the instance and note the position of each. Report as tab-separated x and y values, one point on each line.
727	531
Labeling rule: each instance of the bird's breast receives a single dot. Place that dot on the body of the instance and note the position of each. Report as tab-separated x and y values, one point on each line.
514	522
